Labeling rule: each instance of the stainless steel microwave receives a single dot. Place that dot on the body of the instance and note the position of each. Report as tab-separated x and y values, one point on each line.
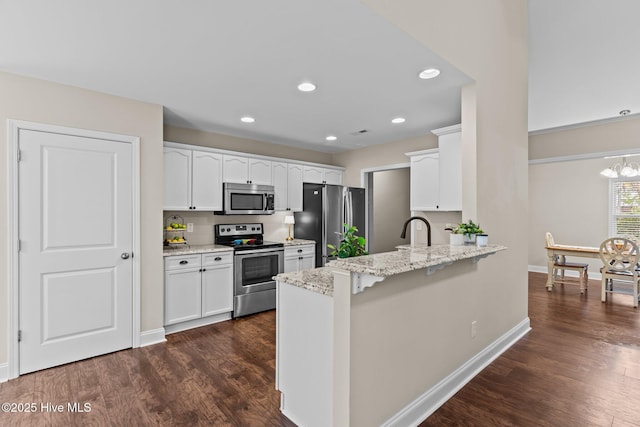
247	199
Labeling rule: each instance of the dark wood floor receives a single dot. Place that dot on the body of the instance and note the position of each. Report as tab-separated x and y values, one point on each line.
579	366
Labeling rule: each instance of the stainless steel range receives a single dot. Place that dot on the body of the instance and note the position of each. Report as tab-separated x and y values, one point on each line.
255	263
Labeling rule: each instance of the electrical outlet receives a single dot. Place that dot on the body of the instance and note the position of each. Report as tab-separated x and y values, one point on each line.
474	328
189	227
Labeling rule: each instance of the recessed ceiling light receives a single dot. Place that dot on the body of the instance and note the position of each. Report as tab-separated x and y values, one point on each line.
247	119
306	87
398	120
331	138
429	73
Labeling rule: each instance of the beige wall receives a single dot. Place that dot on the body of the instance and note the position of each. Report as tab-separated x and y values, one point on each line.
226	142
390	208
570	200
622	134
35	100
488	41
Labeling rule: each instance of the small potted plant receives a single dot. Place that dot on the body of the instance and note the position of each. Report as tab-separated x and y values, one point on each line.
469	229
350	245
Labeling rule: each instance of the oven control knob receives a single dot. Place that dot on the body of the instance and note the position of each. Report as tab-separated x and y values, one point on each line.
253	229
228	229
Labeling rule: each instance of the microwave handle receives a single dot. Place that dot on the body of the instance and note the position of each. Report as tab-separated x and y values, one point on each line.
265	202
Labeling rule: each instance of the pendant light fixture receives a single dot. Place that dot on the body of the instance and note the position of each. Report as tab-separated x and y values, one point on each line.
625	170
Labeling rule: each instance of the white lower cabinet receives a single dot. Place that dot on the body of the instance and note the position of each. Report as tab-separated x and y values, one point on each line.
299	257
196	287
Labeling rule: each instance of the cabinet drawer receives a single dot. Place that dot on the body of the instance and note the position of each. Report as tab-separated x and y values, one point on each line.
179	262
217	258
299	250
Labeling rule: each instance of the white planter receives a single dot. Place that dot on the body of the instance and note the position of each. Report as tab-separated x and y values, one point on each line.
469	238
482	240
456	239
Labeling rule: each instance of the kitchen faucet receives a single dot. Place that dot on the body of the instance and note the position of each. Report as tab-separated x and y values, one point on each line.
404	228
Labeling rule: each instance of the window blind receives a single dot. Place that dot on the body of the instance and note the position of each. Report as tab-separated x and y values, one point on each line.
624	207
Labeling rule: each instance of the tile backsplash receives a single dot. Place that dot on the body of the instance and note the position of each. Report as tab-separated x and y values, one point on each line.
274	227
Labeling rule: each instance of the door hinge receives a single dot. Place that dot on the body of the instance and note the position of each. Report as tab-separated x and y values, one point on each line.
19	335
19	245
19	155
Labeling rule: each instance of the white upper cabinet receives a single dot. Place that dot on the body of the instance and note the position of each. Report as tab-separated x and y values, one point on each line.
450	146
280	185
260	171
192	180
425	190
177	179
287	182
246	170
206	187
320	175
436	175
294	191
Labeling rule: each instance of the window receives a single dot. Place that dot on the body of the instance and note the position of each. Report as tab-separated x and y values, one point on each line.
624	207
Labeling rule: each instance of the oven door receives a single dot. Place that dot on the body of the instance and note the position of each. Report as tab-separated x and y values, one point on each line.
254	270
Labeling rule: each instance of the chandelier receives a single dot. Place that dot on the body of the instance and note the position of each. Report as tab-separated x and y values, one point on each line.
626	170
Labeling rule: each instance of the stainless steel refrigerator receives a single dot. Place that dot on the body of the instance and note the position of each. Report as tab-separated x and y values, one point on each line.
325	208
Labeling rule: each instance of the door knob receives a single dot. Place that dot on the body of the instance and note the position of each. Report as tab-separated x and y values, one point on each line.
124	255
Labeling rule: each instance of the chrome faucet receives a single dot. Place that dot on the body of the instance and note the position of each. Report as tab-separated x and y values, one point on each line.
404	228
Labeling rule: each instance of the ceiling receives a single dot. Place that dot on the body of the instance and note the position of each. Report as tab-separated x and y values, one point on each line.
211	62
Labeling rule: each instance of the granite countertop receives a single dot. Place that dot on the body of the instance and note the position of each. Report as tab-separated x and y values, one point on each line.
195	249
413	258
318	280
297	242
407	258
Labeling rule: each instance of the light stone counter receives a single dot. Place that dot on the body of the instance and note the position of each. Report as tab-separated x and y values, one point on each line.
376	267
196	249
298	242
318	280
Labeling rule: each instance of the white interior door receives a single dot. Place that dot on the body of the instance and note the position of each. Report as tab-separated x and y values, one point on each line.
76	231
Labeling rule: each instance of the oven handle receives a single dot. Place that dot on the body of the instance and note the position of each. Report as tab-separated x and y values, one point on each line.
259	251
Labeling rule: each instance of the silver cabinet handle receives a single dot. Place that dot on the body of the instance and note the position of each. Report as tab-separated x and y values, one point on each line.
125	255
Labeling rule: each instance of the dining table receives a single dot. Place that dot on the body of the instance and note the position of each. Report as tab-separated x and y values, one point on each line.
564	251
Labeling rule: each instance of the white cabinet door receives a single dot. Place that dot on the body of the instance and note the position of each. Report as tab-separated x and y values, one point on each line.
313	174
333	176
294	190
177	179
279	178
306	262
207	181
298	258
235	168
450	172
182	295
424	177
217	289
260	171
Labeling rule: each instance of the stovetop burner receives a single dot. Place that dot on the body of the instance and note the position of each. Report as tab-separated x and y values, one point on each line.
242	237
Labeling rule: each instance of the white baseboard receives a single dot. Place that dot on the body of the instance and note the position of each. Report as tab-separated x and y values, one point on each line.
425	405
595	275
178	327
4	372
154	336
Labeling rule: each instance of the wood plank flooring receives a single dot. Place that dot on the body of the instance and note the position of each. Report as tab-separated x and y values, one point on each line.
579	366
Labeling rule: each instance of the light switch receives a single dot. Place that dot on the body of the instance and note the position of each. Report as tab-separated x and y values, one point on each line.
189	227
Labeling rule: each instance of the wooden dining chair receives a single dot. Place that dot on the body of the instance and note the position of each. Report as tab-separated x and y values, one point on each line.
620	268
560	265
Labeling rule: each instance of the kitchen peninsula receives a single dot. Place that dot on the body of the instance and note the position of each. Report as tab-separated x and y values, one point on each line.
369	340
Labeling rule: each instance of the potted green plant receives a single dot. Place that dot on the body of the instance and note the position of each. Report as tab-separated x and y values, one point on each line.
469	229
350	245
